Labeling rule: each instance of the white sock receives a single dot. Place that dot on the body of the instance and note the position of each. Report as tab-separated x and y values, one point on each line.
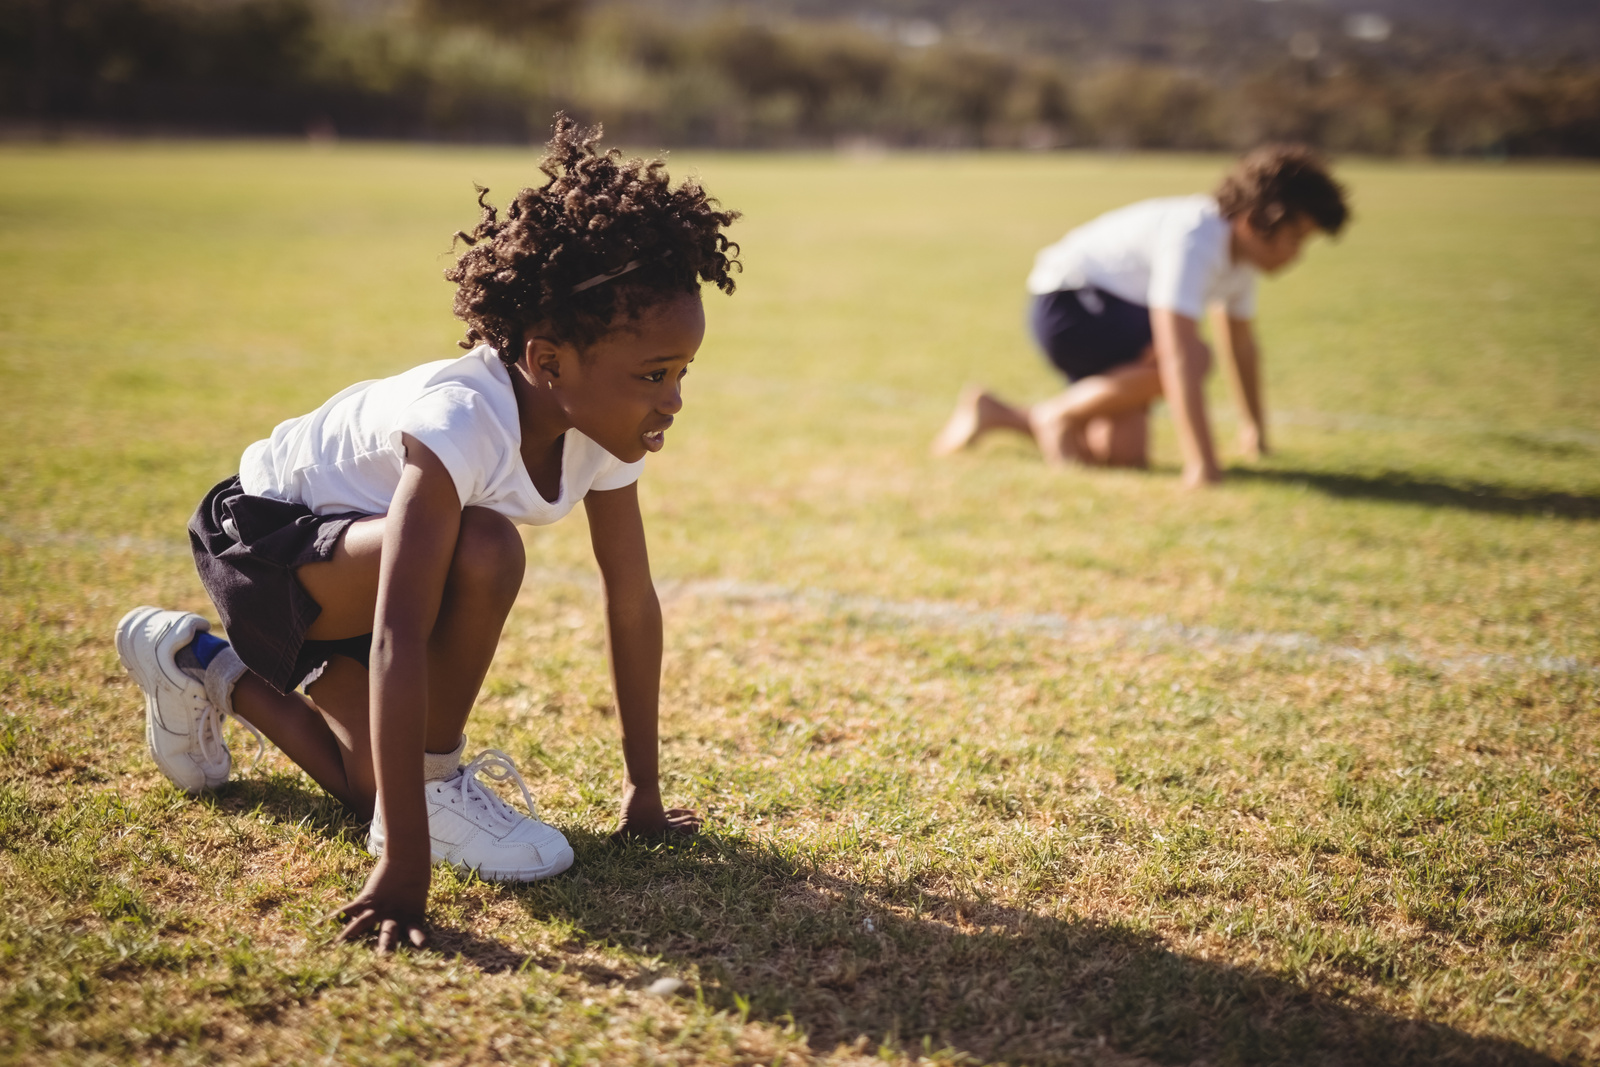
221	675
437	766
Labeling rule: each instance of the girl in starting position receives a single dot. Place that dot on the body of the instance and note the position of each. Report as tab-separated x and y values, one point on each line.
1117	306
368	551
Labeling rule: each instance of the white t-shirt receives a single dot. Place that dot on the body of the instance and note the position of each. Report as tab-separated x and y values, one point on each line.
347	455
1171	253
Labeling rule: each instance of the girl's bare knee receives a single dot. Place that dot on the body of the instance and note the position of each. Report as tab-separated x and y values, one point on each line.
362	799
489	558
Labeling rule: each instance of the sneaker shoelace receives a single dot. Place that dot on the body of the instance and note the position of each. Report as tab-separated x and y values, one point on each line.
213	746
497	766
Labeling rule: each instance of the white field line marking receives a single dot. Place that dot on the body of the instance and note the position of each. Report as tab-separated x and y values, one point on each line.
47	538
1156	632
1351	420
1152	632
884	396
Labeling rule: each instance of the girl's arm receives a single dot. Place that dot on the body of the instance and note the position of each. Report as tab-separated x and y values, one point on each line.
1237	342
1183	359
419	539
633	638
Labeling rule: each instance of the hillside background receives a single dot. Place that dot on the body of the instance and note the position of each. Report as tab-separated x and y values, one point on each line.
1385	77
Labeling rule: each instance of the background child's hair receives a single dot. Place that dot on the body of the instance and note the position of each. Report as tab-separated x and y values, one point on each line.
1277	182
597	214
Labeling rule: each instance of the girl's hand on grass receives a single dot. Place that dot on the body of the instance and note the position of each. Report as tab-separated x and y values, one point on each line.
1197	476
394	902
1252	442
643	816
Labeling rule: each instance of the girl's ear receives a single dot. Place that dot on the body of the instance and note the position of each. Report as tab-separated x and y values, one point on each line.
543	357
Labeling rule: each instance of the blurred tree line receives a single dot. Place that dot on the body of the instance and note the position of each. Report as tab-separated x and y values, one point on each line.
753	75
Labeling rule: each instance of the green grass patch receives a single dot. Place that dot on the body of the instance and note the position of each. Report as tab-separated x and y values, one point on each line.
1000	764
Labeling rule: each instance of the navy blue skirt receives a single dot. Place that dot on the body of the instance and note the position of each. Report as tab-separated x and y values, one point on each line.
1085	332
246	549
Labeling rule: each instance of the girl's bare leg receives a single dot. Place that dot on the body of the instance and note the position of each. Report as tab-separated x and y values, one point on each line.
1065	425
307	733
328	735
1102	419
1119	440
977	412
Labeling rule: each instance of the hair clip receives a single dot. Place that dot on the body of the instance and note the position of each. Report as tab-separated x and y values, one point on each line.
601	279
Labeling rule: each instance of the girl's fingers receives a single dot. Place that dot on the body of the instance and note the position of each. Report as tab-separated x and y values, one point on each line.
395	932
683	821
674	822
392	933
357	926
344	913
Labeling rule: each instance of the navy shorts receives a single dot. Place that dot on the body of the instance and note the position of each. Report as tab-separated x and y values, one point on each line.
1085	332
246	549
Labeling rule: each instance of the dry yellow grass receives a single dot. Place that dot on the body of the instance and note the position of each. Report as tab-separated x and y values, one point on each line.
993	769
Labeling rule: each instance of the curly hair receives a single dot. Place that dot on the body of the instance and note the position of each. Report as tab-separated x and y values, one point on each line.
597	215
1277	182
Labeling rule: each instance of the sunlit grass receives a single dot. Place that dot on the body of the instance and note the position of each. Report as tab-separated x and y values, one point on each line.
945	830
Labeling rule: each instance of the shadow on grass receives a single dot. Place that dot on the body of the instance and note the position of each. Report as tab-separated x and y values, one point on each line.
899	964
1406	488
496	957
289	798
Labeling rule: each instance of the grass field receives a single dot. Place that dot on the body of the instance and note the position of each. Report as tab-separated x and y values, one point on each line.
1000	764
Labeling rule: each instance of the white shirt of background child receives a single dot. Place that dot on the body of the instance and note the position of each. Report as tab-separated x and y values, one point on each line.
347	455
1172	253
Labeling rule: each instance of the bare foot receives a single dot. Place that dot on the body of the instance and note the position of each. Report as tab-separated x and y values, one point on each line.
976	413
961	429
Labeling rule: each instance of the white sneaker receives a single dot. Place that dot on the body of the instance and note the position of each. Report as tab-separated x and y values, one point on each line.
470	826
182	729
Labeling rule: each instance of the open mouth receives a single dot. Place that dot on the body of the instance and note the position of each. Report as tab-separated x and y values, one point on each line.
654	439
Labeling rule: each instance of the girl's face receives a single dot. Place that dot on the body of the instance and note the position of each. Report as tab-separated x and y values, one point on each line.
1271	251
624	389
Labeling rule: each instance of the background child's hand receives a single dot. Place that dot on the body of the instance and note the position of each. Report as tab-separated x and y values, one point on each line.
394	902
1252	442
1199	476
643	816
